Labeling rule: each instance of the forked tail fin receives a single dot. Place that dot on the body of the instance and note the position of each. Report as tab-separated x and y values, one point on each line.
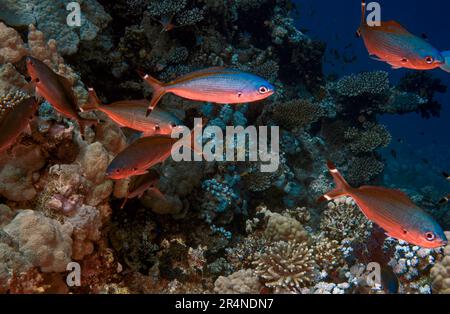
446	65
93	101
158	90
342	187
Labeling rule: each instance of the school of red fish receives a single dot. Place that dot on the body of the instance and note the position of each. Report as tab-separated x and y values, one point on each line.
390	209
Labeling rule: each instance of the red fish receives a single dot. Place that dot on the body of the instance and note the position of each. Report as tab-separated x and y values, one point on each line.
216	85
393	44
144	153
140	185
140	156
392	210
131	114
57	90
14	118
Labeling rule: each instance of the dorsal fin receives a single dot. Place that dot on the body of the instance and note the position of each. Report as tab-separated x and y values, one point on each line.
394	194
202	73
392	27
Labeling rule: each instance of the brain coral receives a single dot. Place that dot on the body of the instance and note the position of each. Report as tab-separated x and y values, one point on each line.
369	139
45	242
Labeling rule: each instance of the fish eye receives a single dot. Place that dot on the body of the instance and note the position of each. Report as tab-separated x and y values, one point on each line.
117	170
429	59
239	94
430	236
263	90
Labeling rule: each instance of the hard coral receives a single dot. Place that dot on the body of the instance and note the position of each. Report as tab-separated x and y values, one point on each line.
51	20
440	273
343	220
242	281
44	242
286	265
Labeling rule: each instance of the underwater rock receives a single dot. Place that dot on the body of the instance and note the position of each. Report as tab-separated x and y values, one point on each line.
51	20
86	223
12	48
16	184
11	260
6	214
44	242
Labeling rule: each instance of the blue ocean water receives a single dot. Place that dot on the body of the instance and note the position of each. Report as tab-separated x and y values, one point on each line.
424	148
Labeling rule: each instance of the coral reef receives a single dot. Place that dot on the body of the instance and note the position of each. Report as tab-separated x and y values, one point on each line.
203	227
51	20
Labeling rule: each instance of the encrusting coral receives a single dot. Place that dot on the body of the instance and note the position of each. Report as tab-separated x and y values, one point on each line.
240	282
43	241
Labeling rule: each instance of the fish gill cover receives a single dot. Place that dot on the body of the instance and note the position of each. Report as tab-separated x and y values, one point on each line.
207	226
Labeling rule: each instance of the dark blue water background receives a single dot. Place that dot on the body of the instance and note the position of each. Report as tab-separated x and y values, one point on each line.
336	22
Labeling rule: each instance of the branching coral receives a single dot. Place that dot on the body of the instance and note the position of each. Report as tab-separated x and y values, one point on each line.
177	10
286	265
369	139
362	169
412	265
368	83
343	220
297	113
